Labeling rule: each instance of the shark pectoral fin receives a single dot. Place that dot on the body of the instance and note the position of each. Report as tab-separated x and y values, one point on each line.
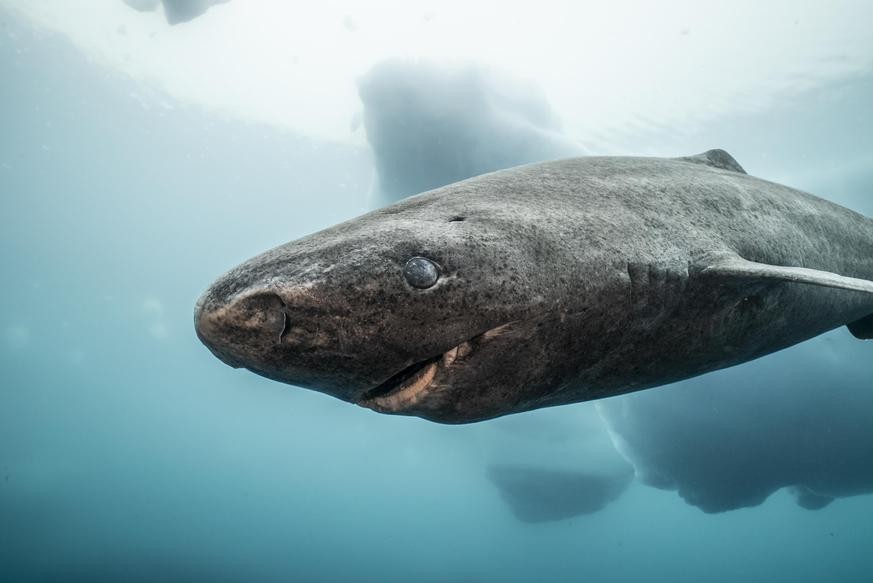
739	268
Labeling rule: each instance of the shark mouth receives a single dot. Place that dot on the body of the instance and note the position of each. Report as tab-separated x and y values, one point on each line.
412	384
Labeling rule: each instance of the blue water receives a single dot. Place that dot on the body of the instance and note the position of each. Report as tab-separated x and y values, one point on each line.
128	452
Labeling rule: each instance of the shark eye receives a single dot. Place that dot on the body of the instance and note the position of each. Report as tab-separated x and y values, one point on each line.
421	273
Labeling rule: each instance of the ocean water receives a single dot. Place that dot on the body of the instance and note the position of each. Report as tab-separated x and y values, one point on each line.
129	453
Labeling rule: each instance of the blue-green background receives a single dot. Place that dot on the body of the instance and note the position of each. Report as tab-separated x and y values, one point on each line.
128	452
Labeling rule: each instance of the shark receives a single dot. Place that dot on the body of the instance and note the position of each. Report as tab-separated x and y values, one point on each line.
546	284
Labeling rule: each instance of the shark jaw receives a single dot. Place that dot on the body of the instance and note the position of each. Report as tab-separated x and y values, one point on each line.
415	383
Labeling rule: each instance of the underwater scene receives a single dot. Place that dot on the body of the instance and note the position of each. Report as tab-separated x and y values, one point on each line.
399	398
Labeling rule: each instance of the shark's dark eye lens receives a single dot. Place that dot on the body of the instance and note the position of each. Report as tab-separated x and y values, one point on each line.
421	273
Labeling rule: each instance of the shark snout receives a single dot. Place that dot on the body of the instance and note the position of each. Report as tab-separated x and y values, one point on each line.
241	328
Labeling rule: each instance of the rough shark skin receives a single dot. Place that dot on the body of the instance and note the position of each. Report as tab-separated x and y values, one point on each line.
559	282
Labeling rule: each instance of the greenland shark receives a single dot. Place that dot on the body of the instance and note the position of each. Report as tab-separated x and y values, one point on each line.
547	284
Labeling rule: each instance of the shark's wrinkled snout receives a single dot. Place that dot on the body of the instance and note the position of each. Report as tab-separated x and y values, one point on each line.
240	328
288	332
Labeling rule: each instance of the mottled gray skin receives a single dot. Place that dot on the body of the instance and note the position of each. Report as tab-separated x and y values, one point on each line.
561	282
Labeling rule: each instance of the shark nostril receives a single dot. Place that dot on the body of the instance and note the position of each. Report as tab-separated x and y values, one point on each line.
286	326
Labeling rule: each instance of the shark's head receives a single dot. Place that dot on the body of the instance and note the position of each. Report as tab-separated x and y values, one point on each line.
434	310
